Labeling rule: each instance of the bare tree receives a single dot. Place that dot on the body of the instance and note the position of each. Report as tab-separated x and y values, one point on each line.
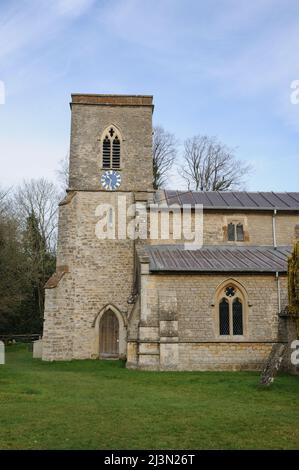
39	199
63	172
210	165
4	203
164	155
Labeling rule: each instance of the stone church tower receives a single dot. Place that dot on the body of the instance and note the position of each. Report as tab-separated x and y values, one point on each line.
153	300
110	155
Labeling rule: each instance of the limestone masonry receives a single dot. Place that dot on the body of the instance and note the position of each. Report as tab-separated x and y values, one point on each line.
152	302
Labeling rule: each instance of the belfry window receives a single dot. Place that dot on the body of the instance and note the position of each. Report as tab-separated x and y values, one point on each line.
111	157
106	152
116	153
231	313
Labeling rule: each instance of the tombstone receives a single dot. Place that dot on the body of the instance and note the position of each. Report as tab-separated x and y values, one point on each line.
2	353
288	334
273	364
38	349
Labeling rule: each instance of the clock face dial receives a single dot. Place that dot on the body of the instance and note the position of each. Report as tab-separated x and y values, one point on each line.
111	180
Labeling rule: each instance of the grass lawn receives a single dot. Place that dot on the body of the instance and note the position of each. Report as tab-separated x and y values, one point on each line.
102	405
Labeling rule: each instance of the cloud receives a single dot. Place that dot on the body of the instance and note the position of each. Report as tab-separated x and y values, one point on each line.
235	16
23	24
264	63
138	22
39	157
179	25
72	8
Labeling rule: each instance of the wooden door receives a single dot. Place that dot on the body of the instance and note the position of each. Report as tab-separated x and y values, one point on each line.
109	335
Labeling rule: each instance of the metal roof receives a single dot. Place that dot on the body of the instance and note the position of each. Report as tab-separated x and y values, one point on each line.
218	258
236	200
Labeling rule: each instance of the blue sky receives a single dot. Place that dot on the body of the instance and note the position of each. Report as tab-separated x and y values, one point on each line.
221	67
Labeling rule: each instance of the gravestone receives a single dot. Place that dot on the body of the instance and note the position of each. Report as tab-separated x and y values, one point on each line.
38	349
2	353
273	364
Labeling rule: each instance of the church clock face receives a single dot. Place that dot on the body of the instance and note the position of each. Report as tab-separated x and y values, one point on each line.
111	180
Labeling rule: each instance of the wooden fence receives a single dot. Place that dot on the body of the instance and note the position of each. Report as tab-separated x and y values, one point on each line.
26	338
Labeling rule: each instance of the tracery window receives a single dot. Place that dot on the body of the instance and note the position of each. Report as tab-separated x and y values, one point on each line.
231	312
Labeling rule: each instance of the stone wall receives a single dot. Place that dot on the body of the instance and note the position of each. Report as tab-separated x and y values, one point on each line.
179	322
173	325
89	120
223	356
258	228
101	272
96	272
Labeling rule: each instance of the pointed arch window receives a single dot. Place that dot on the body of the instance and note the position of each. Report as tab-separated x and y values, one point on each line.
237	317
111	151
224	317
231	312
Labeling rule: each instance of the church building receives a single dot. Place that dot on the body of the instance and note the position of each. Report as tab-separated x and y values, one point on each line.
157	301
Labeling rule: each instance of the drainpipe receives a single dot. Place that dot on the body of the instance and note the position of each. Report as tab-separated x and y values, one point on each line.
278	292
274	228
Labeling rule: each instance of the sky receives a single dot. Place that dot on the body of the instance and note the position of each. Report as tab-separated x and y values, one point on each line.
220	67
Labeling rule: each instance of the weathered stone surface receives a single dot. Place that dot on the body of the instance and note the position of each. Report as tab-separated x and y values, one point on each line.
169	356
38	349
56	277
2	353
273	364
166	321
88	124
100	271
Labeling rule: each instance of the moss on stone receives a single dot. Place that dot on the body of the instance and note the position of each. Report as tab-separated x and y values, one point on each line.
293	283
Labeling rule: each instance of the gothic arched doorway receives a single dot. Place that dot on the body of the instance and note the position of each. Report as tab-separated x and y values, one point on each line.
109	335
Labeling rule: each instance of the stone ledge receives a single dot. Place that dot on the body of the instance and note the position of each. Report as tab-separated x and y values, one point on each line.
114	100
148	353
68	198
56	277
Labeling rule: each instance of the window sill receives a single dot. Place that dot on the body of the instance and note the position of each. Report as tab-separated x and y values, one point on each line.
232	338
113	169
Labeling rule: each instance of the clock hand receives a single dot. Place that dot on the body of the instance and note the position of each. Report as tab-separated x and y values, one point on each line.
110	183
